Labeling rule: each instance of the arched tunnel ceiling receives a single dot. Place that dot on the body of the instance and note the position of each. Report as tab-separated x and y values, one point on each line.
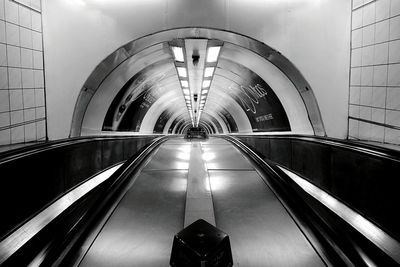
253	88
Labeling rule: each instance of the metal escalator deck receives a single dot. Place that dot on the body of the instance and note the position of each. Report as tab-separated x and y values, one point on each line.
140	230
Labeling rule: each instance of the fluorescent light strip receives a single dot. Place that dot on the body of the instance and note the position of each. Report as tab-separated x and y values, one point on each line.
206	83
187	97
182	72
204	91
184	83
212	54
178	53
208	72
186	91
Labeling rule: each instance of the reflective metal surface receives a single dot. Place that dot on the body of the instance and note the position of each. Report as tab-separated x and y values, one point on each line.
163	199
261	231
140	231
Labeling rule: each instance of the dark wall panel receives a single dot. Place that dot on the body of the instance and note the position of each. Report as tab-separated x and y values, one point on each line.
31	181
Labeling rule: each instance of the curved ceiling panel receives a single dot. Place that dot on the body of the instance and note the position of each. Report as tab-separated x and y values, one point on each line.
219	80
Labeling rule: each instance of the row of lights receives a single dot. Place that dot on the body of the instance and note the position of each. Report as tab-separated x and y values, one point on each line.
183	78
211	62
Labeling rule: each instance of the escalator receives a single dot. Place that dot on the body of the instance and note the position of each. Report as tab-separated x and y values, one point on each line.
270	218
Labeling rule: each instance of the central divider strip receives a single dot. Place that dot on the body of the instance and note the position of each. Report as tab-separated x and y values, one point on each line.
199	204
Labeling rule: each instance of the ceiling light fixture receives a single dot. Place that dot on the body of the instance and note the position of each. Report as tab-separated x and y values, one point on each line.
184	83
178	53
206	83
182	72
208	72
212	53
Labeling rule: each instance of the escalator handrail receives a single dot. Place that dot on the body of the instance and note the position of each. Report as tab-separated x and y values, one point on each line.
372	150
392	250
19	237
13	154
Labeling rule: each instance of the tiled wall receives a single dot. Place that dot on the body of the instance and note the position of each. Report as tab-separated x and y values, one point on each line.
374	102
22	95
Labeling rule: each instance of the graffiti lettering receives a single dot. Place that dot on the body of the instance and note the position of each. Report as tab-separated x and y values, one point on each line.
250	95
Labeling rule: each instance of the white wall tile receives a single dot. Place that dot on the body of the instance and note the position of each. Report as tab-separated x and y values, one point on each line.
2	31
394	51
26	58
367	55
392	136
382	9
36	22
393	117
355	76
377	133
27	78
393	98
14	78
16	99
26	38
394	75
394	8
38	60
353	128
364	130
39	97
394	28
29	98
368	14
356	57
3	78
4	101
379	97
17	117
40	112
2	9
381	52
12	32
17	135
382	31
368	35
357	19
355	95
378	115
30	132
366	96
29	115
4	118
380	75
14	56
39	81
354	111
40	129
357	3
367	75
24	17
35	4
37	40
3	55
5	137
11	11
356	38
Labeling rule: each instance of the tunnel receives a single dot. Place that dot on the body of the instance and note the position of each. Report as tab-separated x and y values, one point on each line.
123	124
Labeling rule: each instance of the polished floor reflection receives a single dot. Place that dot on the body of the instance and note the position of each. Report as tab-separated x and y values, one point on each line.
185	179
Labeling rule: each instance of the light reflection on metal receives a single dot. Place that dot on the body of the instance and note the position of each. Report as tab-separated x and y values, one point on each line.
212	54
381	239
14	241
